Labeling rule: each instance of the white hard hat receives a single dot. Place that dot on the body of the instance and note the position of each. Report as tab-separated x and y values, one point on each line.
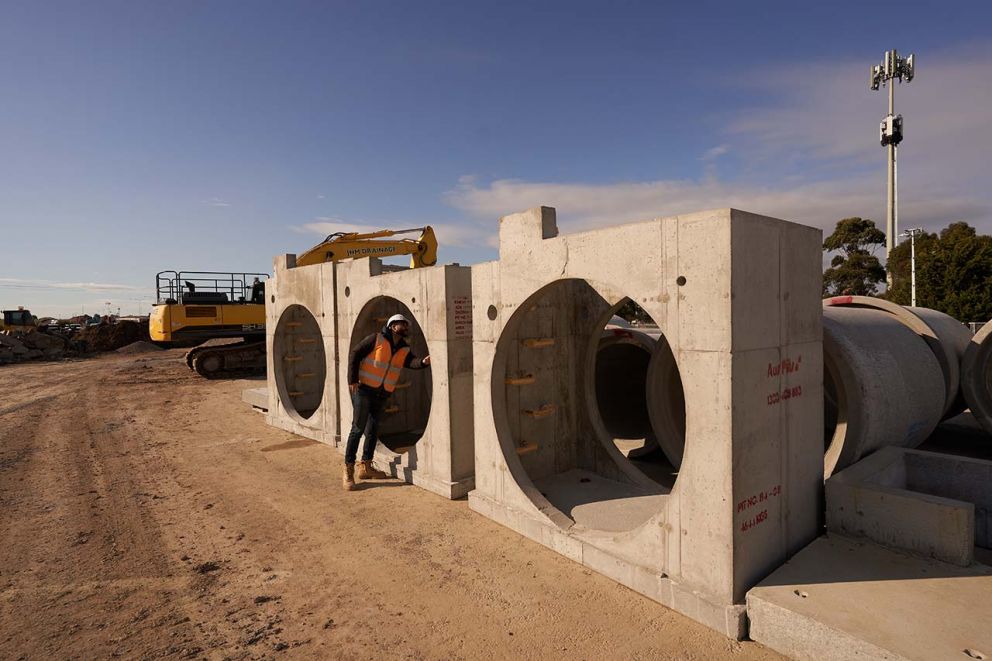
397	318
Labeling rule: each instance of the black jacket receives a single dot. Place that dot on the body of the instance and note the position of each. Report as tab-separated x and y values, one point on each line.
366	346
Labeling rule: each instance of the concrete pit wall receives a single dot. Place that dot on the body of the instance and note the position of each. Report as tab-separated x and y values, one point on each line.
883	386
737	297
301	351
427	435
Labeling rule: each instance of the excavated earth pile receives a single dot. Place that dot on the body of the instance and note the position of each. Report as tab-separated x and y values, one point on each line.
33	346
109	337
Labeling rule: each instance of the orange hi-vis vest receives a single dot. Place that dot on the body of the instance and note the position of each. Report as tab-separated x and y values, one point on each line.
382	367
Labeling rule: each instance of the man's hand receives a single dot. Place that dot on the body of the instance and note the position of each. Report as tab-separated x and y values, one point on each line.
427	360
353	387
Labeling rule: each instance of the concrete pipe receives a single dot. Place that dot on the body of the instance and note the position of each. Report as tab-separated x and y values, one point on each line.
947	337
622	360
666	402
882	385
976	376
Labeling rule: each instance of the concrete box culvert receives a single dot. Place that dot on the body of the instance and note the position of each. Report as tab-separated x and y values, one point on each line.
426	437
737	297
883	386
976	376
300	348
947	337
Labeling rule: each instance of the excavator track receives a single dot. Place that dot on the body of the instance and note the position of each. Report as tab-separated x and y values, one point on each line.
227	360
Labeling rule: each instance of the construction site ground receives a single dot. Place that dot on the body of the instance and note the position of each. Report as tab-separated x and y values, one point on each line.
146	512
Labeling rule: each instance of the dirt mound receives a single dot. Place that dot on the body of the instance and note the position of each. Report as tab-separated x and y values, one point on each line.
110	337
33	346
139	347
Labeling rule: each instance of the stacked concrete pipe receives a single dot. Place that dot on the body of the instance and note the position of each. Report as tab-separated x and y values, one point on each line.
882	385
976	376
947	338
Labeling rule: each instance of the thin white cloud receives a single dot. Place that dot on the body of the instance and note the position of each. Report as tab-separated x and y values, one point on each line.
809	154
714	153
22	283
582	206
216	202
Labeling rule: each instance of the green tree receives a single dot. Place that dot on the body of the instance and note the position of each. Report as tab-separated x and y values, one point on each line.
854	270
953	272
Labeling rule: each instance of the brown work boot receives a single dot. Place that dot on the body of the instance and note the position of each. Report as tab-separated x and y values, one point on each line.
367	472
348	479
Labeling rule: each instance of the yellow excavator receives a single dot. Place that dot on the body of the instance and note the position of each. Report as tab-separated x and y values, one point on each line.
194	307
18	322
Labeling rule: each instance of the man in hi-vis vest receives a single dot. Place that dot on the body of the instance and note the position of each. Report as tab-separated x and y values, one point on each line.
373	372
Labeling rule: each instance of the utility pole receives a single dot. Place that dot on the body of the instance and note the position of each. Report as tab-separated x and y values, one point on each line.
892	68
912	261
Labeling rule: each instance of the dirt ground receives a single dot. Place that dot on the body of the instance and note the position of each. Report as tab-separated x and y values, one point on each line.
146	512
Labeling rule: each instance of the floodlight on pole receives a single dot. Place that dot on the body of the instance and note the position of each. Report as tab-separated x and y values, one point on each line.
912	261
891	69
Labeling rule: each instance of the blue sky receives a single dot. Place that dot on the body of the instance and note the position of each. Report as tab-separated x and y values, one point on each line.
145	136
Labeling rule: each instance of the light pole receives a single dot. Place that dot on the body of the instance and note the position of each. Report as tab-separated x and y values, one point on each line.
912	261
890	134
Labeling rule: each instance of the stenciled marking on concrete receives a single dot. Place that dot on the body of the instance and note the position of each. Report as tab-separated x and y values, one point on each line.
461	311
753	501
785	366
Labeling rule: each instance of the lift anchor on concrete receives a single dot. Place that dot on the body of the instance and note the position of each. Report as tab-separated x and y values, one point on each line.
292	359
538	342
521	380
526	447
391	409
543	412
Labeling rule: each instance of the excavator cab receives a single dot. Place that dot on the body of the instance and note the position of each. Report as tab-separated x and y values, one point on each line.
19	321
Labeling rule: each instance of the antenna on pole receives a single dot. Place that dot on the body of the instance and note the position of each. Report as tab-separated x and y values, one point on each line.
890	132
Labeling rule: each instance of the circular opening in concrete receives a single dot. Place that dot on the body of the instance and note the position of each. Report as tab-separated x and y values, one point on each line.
347	291
565	402
409	406
491	312
299	362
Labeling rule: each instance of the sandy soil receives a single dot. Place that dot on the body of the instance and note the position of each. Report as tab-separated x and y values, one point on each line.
146	512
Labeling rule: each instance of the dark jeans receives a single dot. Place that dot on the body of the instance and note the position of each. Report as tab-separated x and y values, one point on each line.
368	410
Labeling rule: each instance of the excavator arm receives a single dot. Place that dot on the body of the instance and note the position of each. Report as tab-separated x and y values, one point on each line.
355	245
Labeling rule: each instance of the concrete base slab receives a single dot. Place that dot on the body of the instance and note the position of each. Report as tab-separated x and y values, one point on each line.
257	398
841	599
594	502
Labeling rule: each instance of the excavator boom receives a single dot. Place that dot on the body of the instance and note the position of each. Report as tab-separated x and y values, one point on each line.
356	245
